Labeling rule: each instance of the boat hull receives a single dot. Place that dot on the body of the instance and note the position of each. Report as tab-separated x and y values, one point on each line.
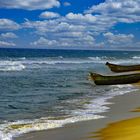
116	79
121	68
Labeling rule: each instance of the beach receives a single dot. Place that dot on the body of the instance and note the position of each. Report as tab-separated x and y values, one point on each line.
121	108
47	94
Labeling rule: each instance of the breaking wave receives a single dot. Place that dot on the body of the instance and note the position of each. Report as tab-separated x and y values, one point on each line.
136	57
9	130
11	66
19	64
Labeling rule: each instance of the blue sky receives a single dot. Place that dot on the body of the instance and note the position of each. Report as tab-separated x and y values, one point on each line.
70	24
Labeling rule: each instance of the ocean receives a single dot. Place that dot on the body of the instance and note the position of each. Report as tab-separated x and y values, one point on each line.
46	89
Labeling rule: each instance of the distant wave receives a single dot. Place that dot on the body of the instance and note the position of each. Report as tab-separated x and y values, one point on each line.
53	62
61	60
19	64
102	58
60	56
95	58
22	58
11	66
136	57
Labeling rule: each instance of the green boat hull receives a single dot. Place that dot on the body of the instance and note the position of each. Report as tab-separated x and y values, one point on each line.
121	68
115	79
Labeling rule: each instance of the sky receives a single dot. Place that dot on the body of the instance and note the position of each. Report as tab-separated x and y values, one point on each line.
70	24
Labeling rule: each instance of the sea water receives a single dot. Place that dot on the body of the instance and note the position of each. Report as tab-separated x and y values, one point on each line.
45	89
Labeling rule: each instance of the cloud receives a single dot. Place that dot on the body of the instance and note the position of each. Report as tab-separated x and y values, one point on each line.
53	26
65	33
67	4
8	35
49	15
118	10
116	6
7	24
6	44
81	17
65	38
120	41
118	38
64	42
94	23
82	29
44	42
73	30
29	4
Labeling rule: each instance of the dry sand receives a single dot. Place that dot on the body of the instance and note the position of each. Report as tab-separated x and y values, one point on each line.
122	109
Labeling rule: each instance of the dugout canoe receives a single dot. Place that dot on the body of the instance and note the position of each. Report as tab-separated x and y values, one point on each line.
122	68
114	79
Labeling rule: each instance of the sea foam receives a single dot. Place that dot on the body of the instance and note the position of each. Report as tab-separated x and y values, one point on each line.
8	130
11	66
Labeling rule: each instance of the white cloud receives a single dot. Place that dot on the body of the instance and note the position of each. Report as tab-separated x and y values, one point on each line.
83	29
53	26
118	10
44	42
64	33
66	40
29	4
117	6
81	17
73	30
118	38
67	4
7	24
120	41
6	44
8	35
94	23
49	15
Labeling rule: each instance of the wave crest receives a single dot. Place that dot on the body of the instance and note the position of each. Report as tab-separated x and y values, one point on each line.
11	66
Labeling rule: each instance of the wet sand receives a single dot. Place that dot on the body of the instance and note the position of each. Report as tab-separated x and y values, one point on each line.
124	110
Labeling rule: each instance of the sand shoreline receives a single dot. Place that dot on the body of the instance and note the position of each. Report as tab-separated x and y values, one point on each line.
119	110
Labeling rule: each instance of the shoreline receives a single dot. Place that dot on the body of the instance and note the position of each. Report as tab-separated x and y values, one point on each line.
120	109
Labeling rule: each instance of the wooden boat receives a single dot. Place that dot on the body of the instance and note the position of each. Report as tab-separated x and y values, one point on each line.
121	68
115	79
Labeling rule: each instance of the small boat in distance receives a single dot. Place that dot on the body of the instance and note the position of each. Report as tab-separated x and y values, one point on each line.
114	79
122	68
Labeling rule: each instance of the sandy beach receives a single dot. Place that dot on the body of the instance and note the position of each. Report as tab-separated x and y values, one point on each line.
124	109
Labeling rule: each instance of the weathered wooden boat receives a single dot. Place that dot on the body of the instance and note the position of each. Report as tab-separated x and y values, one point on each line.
114	79
122	68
